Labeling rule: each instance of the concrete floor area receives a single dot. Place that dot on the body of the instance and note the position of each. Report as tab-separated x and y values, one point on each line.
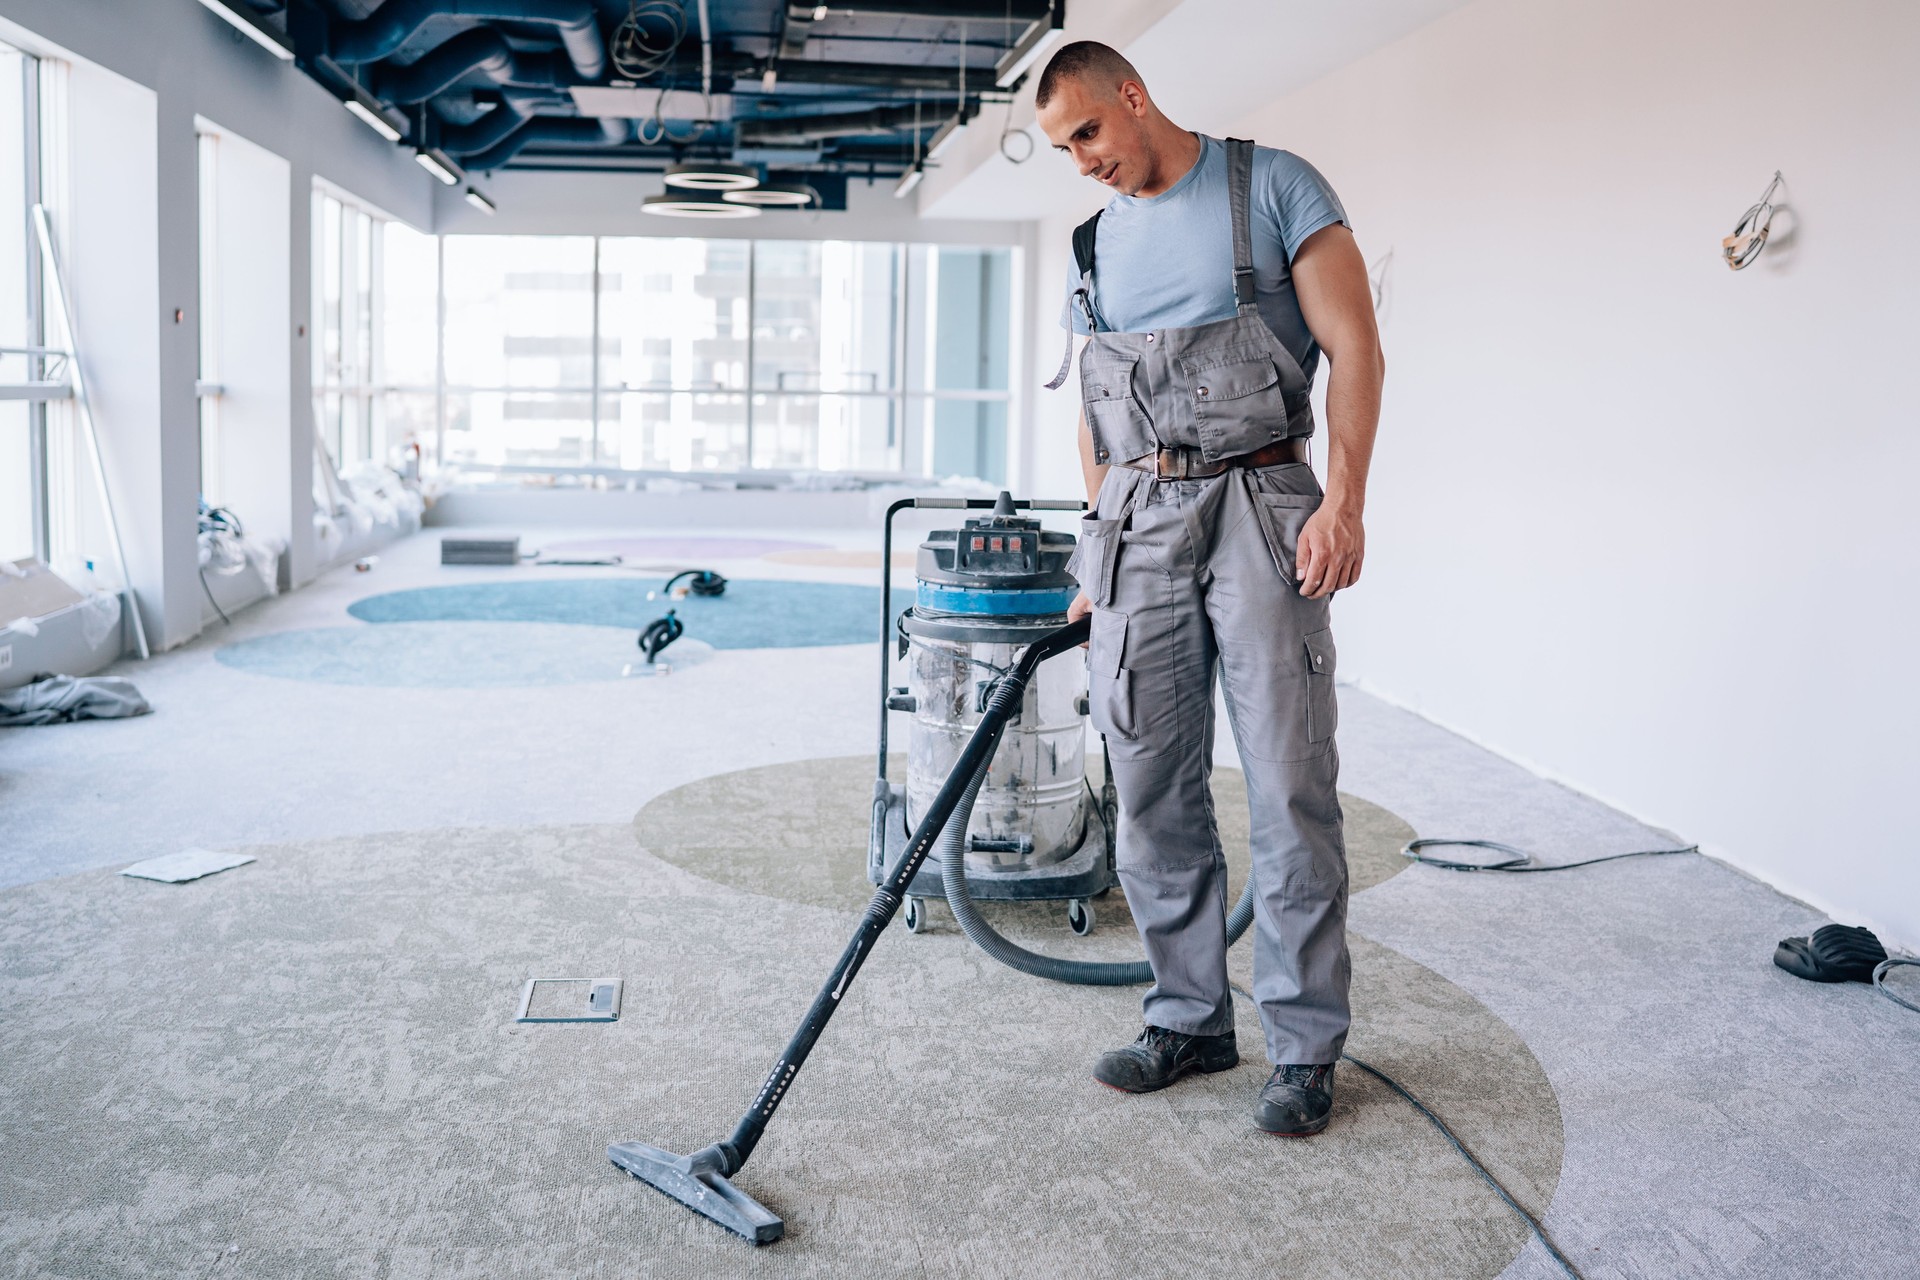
308	1066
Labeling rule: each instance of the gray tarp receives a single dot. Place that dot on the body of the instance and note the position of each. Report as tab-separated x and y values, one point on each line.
52	699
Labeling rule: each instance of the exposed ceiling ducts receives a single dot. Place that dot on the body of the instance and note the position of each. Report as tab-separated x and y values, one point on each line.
861	90
382	32
594	134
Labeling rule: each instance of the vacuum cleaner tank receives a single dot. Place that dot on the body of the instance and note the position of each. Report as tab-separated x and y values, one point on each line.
986	591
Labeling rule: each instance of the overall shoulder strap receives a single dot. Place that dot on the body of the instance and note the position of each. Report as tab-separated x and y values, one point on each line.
1083	238
1240	197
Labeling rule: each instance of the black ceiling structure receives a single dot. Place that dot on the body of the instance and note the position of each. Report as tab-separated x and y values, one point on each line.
801	93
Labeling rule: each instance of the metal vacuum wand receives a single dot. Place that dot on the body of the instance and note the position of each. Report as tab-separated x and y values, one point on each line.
701	1181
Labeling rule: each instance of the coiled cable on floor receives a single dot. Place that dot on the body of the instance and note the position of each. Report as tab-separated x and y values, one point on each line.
1518	860
704	582
1880	972
1453	1139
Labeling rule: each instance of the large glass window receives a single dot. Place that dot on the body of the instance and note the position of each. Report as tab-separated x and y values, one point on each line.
346	322
642	354
22	420
674	346
407	413
207	388
519	350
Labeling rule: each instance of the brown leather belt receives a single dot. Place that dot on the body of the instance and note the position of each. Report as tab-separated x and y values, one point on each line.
1191	464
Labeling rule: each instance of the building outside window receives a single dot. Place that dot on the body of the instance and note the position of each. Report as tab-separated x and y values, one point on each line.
346	320
682	355
23	436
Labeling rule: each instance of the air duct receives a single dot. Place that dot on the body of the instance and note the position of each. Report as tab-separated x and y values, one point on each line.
482	50
549	131
789	130
515	107
383	31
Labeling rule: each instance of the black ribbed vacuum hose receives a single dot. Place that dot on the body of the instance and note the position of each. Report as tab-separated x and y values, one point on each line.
952	851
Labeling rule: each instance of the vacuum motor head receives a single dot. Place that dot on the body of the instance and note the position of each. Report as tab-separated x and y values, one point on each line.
1001	567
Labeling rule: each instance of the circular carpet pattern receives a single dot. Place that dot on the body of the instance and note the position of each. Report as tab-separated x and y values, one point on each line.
446	655
799	831
754	613
309	1066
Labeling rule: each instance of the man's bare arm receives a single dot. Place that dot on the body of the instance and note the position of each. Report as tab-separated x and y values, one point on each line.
1095	474
1330	278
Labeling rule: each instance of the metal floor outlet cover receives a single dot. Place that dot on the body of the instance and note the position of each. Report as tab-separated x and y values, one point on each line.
570	1000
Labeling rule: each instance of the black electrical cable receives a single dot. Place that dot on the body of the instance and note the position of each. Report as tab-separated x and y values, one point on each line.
660	633
217	521
1519	860
1466	1153
705	582
1880	980
210	600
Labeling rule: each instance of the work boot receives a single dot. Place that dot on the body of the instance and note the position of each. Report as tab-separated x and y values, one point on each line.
1297	1101
1159	1057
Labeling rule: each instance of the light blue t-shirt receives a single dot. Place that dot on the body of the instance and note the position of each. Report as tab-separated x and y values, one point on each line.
1166	261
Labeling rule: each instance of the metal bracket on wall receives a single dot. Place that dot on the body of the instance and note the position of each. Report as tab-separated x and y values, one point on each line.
602	1001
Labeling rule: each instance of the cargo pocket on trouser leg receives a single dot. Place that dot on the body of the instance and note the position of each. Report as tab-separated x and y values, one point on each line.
1094	556
1282	516
1323	712
1109	683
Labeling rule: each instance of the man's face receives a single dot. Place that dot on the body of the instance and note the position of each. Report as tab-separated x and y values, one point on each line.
1104	130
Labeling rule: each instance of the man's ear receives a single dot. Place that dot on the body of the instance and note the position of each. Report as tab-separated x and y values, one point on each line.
1134	94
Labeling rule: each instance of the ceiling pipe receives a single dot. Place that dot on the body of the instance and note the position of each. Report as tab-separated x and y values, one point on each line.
843	124
733	65
512	110
549	131
481	51
967	10
384	30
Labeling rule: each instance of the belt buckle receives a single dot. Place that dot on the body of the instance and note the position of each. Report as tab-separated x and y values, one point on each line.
1179	471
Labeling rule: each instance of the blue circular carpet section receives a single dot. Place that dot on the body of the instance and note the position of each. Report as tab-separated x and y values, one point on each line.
438	655
550	631
753	614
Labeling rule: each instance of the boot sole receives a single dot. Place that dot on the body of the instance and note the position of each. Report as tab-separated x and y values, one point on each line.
1308	1132
1174	1079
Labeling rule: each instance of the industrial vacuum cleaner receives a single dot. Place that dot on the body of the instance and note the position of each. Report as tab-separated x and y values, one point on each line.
996	804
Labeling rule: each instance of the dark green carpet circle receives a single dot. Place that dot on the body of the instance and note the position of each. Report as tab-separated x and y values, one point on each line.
799	831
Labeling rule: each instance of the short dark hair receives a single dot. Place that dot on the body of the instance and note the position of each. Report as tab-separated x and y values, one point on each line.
1083	59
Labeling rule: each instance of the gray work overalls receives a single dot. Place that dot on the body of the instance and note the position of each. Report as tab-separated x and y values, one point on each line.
1187	576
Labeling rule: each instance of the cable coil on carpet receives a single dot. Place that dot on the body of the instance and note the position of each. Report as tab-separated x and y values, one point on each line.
1517	860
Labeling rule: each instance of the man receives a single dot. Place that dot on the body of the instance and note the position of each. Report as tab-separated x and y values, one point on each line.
1209	286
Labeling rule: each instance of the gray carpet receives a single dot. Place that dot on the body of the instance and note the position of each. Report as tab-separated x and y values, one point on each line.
307	1066
1720	1118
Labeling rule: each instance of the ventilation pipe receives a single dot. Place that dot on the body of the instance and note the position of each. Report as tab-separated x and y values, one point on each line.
848	124
481	50
514	108
549	131
576	22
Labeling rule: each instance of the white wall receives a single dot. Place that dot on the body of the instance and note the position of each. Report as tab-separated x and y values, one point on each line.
142	73
253	263
1637	520
105	222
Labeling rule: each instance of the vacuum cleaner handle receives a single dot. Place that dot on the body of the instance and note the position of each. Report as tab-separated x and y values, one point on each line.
1003	701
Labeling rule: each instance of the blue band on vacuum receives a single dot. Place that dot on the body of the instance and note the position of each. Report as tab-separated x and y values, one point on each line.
992	603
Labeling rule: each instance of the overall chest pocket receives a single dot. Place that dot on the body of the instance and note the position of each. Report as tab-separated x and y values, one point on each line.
1238	405
1118	422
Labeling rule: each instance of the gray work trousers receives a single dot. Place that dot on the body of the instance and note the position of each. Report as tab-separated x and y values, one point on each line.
1189	578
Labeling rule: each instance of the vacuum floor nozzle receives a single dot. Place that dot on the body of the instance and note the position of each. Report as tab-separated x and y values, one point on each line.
696	1182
